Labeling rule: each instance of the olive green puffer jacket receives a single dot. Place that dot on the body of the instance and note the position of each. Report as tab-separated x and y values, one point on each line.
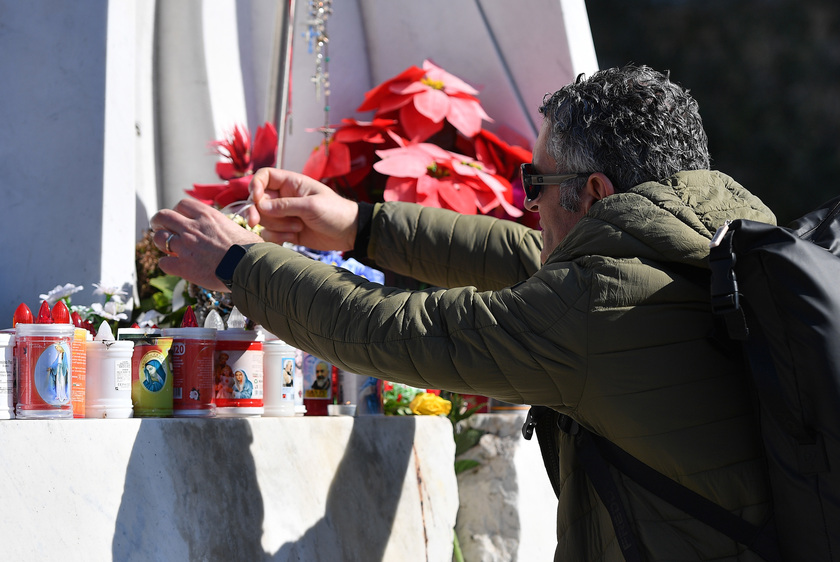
614	330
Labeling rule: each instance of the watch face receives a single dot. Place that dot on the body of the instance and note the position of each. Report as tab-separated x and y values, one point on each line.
224	272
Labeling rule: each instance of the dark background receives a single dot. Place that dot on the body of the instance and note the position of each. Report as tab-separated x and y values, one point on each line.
766	74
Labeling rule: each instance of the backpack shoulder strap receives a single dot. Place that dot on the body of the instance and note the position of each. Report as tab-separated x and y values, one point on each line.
597	453
761	540
545	422
726	300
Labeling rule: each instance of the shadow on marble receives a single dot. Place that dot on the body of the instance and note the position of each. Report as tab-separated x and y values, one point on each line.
192	493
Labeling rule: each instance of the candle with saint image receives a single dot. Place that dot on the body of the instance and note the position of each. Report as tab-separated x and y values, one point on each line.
238	369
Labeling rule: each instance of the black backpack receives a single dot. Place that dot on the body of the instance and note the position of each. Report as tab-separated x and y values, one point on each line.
778	291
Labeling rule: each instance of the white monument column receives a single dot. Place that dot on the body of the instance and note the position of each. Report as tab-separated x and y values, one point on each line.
67	148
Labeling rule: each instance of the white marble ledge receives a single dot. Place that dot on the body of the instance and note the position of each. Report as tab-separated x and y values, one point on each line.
301	488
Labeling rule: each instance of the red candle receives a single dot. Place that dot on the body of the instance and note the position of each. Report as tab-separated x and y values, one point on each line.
189	320
60	313
44	314
22	315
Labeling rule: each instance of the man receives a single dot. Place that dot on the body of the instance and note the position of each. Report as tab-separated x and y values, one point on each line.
321	381
605	317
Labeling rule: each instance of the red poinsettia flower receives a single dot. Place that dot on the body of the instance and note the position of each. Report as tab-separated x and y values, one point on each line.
241	161
505	158
221	195
423	98
349	154
427	174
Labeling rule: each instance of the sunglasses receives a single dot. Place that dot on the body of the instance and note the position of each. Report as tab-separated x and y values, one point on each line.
532	181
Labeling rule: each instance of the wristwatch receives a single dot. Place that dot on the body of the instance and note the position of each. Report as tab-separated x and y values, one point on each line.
226	267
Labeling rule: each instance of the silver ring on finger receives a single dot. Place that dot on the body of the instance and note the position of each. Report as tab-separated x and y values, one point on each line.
166	247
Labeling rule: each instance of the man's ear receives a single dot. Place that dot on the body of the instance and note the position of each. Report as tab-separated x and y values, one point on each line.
598	186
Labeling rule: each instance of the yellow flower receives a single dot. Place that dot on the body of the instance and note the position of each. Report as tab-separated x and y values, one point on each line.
428	404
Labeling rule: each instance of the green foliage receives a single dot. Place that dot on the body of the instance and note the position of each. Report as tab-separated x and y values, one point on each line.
466	439
459	410
457	555
396	399
162	299
465	464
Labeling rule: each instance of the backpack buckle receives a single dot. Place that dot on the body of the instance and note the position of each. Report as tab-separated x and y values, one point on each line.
529	425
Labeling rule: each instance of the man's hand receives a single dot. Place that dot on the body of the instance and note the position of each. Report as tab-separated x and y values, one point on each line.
195	237
295	208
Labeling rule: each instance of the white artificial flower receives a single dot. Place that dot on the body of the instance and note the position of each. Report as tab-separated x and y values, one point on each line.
178	299
60	292
108	291
111	311
149	318
84	311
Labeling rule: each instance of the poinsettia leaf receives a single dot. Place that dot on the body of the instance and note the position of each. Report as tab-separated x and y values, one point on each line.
458	196
428	191
432	104
264	153
402	163
338	160
400	189
452	84
316	163
226	170
486	201
375	96
466	115
417	126
236	190
503	191
206	192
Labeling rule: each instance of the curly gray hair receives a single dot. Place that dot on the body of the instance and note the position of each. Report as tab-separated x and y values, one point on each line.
631	123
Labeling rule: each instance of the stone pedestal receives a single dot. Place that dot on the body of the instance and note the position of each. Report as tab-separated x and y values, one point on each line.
508	509
314	489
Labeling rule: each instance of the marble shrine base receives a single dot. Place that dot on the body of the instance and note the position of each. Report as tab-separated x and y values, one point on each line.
328	488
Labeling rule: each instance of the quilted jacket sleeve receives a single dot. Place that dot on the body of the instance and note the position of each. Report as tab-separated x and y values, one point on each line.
496	343
448	249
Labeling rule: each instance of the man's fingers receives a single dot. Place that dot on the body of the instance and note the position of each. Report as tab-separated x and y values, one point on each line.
285	207
178	217
281	237
163	220
282	224
193	208
258	182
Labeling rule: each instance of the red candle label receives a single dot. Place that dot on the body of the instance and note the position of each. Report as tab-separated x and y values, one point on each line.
45	364
192	370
